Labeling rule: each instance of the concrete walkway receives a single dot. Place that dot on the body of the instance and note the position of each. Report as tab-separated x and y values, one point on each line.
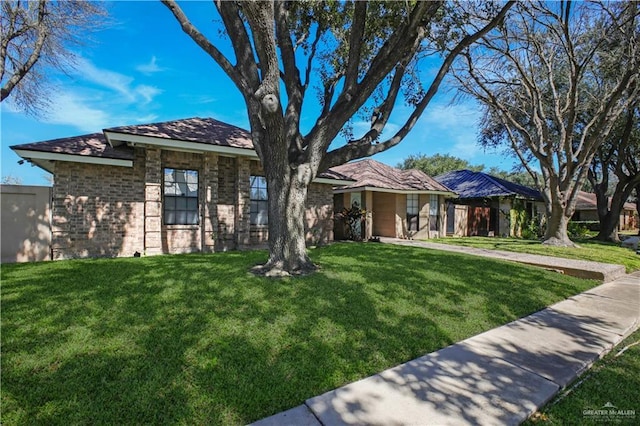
604	272
499	377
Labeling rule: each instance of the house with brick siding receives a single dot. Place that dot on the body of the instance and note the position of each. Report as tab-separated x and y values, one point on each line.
191	185
398	203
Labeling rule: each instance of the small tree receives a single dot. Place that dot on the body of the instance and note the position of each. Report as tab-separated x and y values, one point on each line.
358	56
353	218
38	36
540	77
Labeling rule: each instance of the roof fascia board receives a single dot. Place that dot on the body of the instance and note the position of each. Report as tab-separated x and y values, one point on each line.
395	191
56	156
330	181
179	145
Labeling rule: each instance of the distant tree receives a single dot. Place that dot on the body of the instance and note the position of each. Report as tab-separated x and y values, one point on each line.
357	57
11	180
517	176
617	159
437	164
37	36
540	77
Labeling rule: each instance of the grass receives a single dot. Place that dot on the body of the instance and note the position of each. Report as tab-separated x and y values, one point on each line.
613	380
592	250
197	339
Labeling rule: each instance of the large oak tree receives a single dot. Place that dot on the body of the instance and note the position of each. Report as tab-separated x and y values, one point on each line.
540	76
356	57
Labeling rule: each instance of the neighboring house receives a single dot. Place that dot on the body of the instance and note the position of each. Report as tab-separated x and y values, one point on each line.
399	203
587	211
485	203
179	186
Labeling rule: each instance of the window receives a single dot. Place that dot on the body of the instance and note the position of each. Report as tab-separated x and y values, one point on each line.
180	197
412	212
259	208
433	212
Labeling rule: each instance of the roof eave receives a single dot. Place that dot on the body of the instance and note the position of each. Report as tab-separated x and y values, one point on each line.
178	145
395	191
45	160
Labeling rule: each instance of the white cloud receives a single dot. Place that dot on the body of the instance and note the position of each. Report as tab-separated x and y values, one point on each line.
71	109
117	82
147	92
150	118
105	78
150	68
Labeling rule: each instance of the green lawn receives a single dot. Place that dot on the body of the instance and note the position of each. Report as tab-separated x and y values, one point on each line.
196	339
614	380
593	250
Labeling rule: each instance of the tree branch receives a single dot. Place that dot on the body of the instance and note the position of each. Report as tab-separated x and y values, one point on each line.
353	151
21	71
206	45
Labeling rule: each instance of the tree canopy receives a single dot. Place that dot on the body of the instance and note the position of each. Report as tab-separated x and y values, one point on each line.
37	37
365	56
540	77
438	164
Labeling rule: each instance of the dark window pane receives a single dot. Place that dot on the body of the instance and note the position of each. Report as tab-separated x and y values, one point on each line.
169	203
192	204
181	203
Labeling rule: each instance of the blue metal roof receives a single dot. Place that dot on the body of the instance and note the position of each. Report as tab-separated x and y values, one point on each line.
468	184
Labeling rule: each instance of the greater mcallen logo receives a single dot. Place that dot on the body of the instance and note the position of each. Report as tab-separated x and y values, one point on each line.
609	412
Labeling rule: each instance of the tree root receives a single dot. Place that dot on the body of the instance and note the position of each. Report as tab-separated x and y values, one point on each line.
557	242
279	270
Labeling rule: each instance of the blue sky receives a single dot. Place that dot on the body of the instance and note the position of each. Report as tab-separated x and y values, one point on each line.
142	68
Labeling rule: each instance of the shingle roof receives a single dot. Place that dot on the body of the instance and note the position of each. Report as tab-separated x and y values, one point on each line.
469	184
198	130
201	130
372	173
92	145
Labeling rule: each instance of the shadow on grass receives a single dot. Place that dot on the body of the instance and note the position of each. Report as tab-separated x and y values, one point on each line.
197	339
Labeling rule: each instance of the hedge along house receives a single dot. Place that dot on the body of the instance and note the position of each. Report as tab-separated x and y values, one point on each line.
178	186
487	205
398	203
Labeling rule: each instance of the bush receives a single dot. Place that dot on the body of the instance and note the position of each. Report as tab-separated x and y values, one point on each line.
577	229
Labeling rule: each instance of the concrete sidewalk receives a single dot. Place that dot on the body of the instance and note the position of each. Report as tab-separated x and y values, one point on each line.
501	376
604	272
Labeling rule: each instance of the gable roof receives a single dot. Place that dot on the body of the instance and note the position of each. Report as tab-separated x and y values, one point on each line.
373	174
469	184
115	145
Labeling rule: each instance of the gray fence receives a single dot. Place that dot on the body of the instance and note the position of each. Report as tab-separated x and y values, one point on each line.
26	223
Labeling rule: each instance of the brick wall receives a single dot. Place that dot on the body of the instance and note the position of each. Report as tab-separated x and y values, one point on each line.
319	214
98	210
226	211
101	210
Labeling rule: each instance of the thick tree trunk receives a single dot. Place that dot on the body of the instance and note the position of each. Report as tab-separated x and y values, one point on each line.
609	227
556	233
287	244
